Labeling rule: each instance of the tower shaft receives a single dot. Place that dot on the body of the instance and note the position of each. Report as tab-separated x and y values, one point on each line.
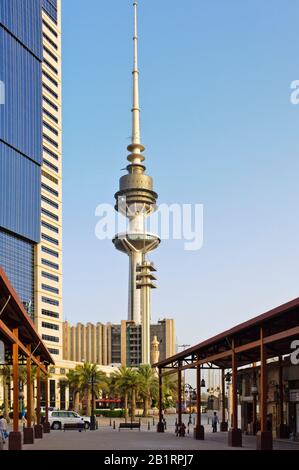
134	307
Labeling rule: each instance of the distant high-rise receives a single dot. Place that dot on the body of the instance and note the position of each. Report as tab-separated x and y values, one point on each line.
48	254
30	160
107	344
136	199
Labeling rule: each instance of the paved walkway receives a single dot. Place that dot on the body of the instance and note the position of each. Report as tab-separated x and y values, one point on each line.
107	438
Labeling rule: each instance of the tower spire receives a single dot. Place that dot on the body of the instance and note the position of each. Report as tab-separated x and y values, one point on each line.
136	199
136	148
135	107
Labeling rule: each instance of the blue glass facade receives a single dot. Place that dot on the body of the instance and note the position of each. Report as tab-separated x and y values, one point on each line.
22	18
20	141
50	7
21	117
16	258
19	190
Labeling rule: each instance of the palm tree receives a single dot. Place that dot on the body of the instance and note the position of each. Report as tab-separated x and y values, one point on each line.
22	381
148	386
169	390
73	381
90	375
122	381
135	385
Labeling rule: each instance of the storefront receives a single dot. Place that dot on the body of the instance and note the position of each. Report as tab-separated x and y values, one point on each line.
21	345
255	348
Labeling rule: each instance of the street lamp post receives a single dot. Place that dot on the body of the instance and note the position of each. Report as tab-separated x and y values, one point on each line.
184	346
92	418
189	390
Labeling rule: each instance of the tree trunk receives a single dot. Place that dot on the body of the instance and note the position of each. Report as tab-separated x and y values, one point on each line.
126	406
133	404
77	401
145	406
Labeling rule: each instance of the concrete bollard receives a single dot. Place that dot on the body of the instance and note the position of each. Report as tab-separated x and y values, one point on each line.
113	424
148	426
110	423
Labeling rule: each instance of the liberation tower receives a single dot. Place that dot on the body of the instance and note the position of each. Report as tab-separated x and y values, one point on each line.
137	200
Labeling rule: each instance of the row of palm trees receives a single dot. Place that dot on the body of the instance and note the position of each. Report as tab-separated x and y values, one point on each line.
131	385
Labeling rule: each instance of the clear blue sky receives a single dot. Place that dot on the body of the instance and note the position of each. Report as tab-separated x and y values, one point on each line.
219	129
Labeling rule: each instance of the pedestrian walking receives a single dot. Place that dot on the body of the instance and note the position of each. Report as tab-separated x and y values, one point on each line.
215	421
3	429
183	430
23	417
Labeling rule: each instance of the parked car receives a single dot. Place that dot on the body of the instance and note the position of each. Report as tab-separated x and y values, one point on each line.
50	408
59	418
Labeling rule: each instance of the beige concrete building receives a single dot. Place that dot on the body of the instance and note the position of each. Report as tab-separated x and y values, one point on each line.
116	343
48	256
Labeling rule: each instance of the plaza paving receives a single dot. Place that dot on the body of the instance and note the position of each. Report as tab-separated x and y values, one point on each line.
107	438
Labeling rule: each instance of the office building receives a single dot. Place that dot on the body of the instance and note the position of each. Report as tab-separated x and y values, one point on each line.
48	253
116	344
30	160
21	58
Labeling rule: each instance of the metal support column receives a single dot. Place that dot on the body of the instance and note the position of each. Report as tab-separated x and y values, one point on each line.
234	434
223	424
199	432
160	425
264	436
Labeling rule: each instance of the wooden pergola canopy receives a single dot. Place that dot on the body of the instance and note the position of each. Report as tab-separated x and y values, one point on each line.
14	316
279	325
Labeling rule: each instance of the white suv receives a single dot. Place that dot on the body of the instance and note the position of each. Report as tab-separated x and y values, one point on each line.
58	419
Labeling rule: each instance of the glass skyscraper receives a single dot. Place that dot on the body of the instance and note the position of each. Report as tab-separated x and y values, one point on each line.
20	141
30	159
